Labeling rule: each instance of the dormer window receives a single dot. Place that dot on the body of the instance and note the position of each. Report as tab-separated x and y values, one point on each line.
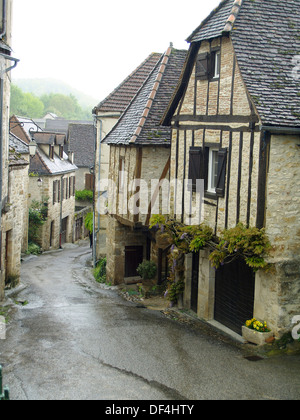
208	65
51	152
61	152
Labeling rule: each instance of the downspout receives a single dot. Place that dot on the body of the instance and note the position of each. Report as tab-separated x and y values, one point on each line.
61	208
3	20
97	197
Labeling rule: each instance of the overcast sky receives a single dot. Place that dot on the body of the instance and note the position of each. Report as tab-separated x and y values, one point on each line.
93	45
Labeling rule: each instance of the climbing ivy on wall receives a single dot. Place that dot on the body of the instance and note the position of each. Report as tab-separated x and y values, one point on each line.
248	243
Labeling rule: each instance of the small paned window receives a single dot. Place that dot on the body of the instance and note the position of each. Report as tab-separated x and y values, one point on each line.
208	164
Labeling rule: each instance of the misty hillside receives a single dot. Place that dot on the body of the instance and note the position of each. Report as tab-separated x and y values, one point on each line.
40	87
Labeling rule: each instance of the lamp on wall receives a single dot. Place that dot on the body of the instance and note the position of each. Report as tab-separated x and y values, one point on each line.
32	148
40	182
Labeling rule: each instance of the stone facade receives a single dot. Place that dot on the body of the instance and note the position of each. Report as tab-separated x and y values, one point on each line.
15	223
221	114
13	176
58	211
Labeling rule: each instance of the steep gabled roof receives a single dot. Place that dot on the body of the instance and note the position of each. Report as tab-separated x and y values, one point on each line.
43	165
140	123
266	39
119	99
220	21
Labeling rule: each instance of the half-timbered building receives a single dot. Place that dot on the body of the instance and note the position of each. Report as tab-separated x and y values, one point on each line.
235	119
139	163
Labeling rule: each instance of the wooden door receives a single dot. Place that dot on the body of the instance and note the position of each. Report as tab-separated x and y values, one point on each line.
133	258
64	228
234	295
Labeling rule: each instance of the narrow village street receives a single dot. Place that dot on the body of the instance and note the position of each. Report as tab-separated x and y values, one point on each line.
74	339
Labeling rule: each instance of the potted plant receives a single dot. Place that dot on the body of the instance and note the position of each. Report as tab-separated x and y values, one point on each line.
256	332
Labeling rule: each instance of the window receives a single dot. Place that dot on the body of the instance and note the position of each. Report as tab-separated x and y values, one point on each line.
208	164
208	66
121	174
212	170
56	192
51	152
217	64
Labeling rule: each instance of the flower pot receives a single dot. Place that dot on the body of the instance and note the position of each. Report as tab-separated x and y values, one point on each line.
256	337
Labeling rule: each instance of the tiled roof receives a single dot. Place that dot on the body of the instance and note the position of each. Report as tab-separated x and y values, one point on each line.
17	148
81	138
18	145
50	138
140	123
119	99
266	40
43	165
214	25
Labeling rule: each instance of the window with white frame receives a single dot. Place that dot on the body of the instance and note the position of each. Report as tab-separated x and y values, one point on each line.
212	170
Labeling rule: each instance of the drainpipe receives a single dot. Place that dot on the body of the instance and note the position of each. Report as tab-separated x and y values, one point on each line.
61	208
3	20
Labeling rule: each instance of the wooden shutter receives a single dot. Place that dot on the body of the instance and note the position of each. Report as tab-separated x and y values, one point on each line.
58	195
203	66
195	166
222	165
74	185
54	191
89	182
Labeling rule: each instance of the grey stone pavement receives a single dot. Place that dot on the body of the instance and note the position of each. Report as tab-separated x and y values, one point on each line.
77	340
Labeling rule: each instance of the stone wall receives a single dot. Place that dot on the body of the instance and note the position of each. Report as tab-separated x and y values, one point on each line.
56	212
14	225
278	293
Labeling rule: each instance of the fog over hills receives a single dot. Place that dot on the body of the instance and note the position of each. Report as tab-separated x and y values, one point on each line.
40	87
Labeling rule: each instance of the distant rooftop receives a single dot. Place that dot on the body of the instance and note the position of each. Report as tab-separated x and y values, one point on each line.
120	98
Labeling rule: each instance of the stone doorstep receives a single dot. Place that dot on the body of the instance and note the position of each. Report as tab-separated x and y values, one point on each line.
132	280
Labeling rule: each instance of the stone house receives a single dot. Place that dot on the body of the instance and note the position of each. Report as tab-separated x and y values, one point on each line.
15	212
106	115
139	162
235	120
51	181
12	168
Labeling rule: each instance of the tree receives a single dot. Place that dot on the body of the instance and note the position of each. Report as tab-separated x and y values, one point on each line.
25	104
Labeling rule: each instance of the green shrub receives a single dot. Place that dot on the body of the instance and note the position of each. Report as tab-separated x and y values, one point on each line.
84	195
89	222
33	249
100	271
147	270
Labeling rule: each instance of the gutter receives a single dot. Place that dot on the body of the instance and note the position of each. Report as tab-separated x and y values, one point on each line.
281	130
3	33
